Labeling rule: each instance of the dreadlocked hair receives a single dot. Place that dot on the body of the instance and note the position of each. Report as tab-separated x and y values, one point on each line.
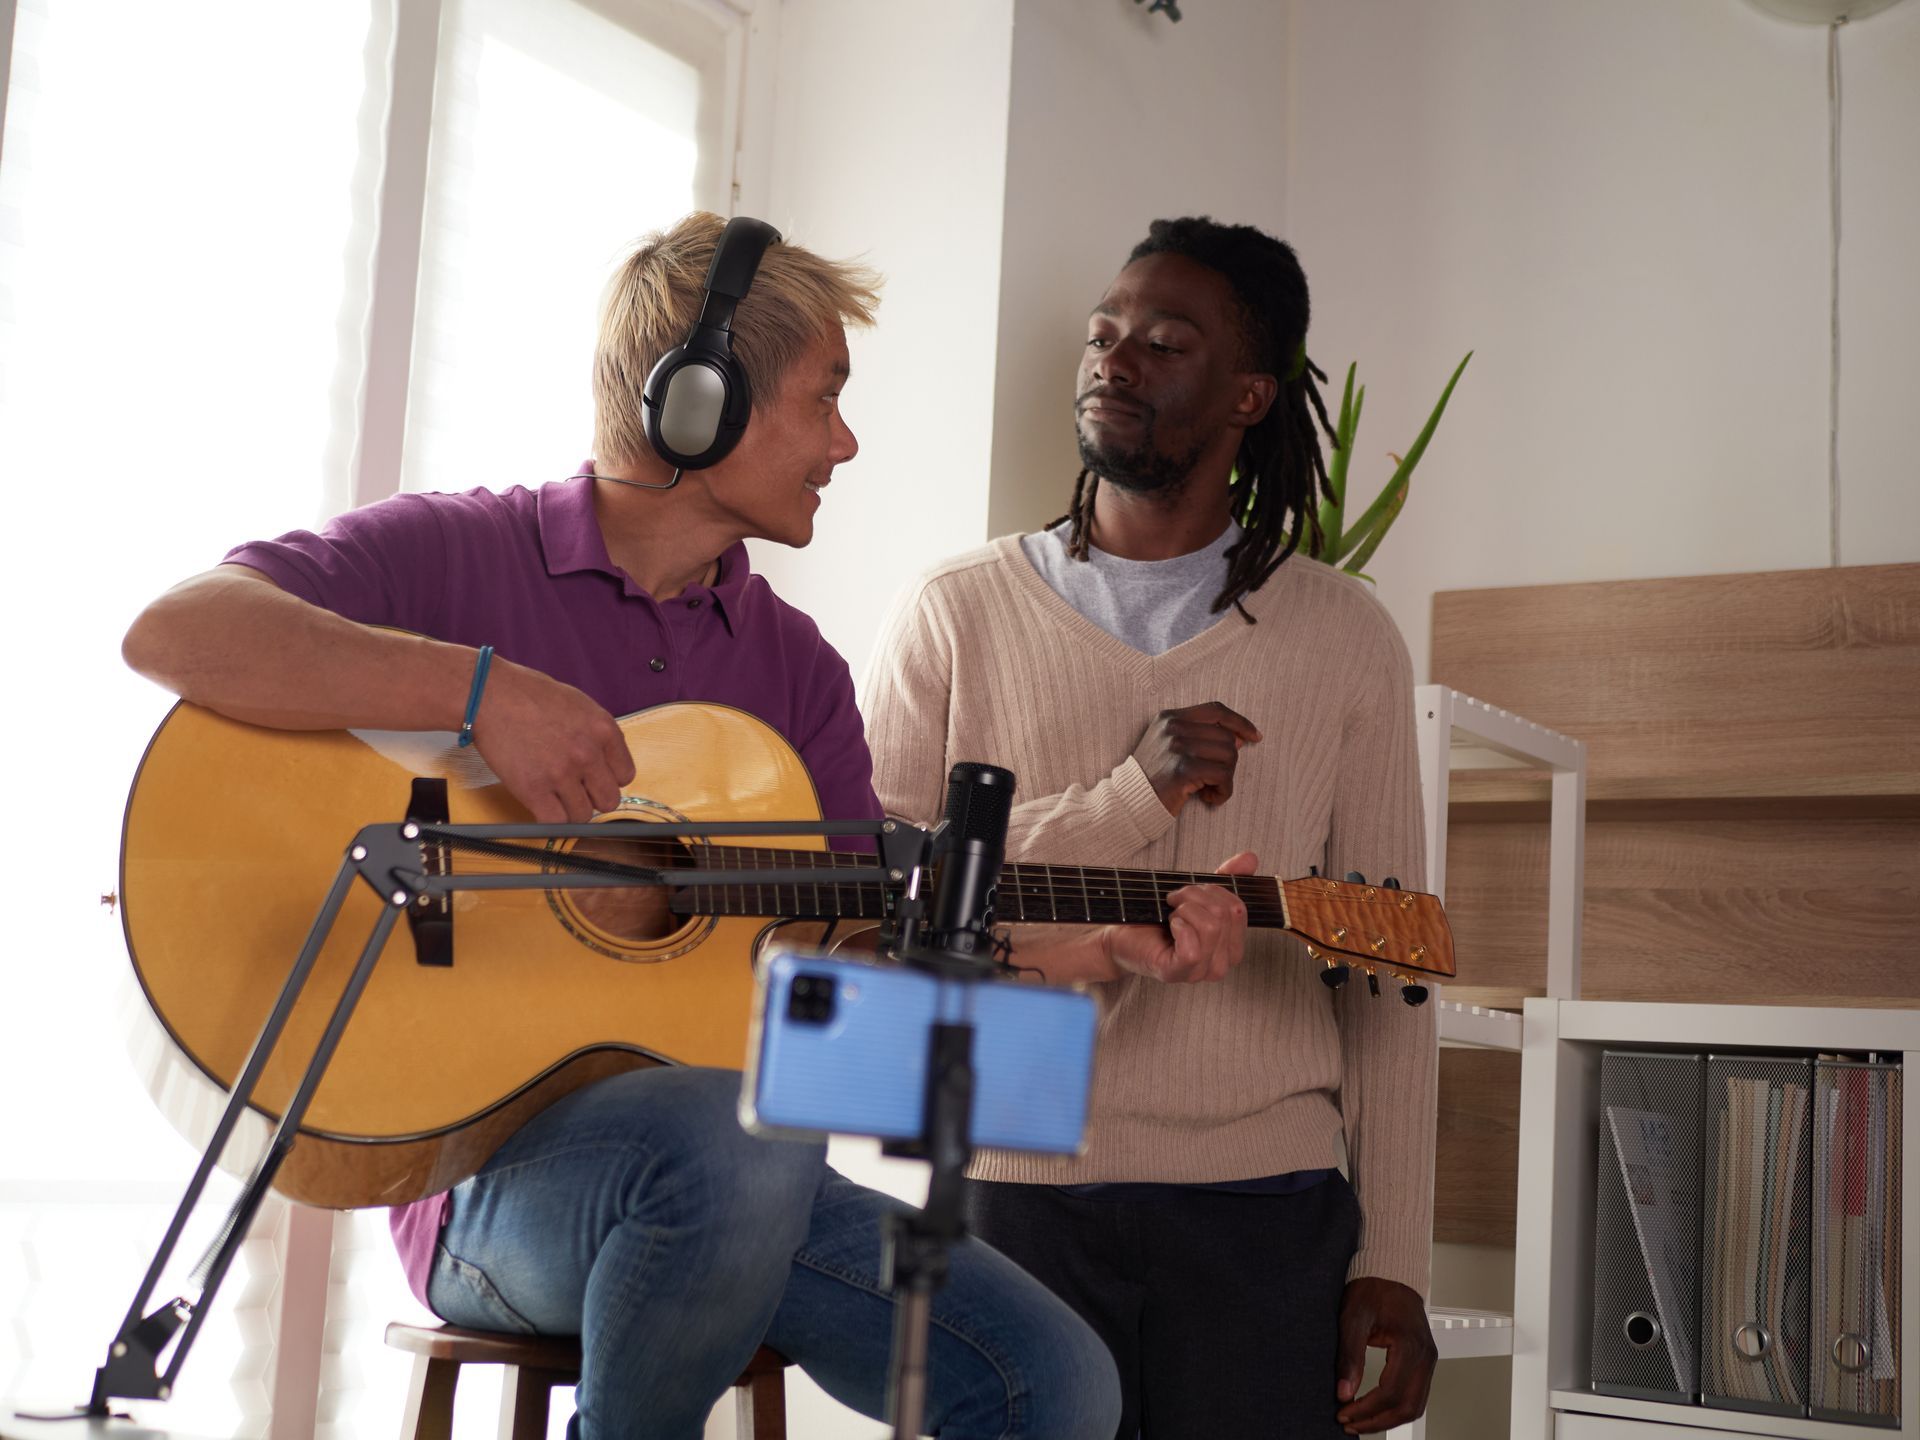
1279	474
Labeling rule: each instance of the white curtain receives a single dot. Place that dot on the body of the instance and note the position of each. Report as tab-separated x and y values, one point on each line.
177	204
188	224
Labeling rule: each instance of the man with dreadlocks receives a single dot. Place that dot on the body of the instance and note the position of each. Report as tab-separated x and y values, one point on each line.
1155	647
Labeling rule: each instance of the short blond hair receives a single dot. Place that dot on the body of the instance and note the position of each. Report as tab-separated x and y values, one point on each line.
654	298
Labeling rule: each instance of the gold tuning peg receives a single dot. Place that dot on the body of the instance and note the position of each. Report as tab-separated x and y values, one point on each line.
1411	990
1373	981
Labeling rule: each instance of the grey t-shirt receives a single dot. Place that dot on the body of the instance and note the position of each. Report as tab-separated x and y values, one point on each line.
1152	605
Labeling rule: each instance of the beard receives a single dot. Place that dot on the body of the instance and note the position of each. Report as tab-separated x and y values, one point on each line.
1142	467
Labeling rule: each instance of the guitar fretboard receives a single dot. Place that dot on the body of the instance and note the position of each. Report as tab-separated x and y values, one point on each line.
1036	894
1028	894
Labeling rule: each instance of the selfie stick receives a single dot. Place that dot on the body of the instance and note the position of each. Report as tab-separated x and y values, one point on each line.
956	944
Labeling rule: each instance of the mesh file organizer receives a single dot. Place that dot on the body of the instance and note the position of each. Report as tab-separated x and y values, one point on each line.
1646	1260
1757	1234
1856	1242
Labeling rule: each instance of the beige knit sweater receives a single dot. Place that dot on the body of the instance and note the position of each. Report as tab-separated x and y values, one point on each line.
1256	1075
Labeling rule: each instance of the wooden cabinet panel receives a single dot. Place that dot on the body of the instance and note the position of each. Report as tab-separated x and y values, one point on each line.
1727	911
1476	1179
1794	682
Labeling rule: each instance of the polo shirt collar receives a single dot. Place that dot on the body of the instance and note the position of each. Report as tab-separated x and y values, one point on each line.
571	541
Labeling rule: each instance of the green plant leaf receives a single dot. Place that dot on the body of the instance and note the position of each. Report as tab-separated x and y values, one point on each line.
1358	533
1419	446
1369	521
1386	507
1343	440
1332	511
1378	531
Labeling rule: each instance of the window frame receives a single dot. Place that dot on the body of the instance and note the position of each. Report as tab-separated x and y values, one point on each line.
733	174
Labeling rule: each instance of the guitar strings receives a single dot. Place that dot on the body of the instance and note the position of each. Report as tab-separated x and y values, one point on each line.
1022	882
1016	875
1096	896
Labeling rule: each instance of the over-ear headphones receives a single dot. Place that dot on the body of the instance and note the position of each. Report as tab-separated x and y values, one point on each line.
697	398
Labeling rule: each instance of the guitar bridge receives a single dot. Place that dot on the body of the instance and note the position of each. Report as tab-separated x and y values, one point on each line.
430	917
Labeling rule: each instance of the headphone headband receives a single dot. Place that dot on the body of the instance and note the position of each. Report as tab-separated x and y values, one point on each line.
697	399
737	257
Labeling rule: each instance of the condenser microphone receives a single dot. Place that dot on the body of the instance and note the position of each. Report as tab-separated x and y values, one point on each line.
979	800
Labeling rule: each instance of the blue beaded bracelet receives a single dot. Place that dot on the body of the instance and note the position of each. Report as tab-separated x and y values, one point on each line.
480	669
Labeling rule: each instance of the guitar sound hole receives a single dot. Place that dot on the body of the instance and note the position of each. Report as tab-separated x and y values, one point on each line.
634	913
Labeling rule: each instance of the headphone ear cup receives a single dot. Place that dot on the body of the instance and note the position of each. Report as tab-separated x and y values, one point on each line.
696	405
697	401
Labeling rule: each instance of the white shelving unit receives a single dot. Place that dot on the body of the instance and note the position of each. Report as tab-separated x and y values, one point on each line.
1559	1142
1459	733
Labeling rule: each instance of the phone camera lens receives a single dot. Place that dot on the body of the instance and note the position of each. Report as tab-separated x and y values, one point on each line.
810	1002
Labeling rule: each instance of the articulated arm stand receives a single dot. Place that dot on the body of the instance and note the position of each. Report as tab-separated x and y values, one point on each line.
391	858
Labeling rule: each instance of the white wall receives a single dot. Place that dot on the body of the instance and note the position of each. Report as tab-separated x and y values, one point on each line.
890	142
996	159
1621	206
1880	290
1118	117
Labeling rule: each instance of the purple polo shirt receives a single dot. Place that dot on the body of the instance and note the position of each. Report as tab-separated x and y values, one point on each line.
527	572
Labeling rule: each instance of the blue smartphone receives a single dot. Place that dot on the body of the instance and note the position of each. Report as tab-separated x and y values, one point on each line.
840	1047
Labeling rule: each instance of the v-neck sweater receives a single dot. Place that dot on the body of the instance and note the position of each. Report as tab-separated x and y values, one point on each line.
1263	1072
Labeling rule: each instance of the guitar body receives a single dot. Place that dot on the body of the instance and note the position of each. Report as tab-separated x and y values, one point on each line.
233	835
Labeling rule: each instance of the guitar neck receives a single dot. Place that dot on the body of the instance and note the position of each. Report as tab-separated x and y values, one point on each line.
1028	894
1401	930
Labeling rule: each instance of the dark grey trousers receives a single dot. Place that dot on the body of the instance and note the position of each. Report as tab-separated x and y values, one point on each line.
1222	1310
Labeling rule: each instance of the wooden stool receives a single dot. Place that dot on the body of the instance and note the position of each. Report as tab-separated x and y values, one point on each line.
537	1363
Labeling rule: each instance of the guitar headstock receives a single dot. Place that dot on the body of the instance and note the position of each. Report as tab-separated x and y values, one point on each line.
1402	933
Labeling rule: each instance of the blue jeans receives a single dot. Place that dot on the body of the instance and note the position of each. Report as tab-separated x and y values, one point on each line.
637	1214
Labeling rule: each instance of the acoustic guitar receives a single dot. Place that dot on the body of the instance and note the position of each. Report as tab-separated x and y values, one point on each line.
479	1016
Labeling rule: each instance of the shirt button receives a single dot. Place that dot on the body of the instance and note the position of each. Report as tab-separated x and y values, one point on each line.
694	604
656	664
